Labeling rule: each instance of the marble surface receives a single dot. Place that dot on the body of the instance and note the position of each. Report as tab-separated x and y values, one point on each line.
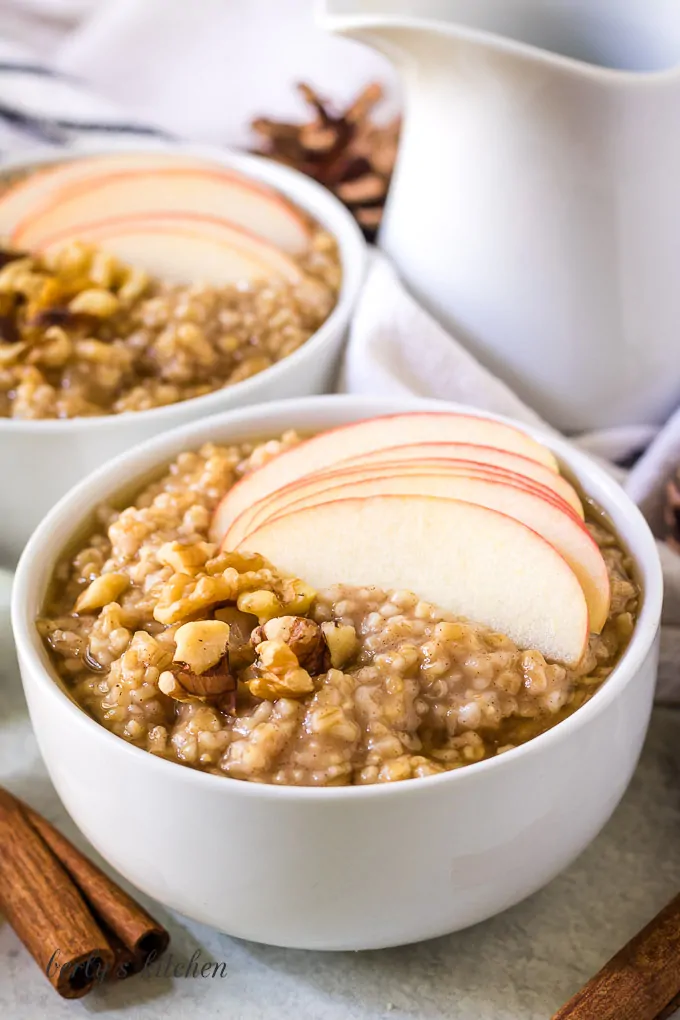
519	966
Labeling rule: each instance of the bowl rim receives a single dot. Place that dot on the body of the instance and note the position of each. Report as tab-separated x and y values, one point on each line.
302	191
135	464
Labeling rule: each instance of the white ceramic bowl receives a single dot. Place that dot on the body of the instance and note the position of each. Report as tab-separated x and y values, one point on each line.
41	460
345	868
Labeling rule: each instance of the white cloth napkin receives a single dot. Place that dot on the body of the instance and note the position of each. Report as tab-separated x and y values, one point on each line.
395	347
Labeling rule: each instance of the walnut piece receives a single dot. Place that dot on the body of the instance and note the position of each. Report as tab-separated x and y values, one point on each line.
135	282
184	595
276	656
292	596
243	562
304	638
104	589
183	558
12	354
215	687
277	673
201	644
297	597
94	301
293	684
341	639
170	685
262	604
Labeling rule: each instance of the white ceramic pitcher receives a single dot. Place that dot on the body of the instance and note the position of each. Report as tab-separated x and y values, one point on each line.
535	209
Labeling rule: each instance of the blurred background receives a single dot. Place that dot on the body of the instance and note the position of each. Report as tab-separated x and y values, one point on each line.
199	68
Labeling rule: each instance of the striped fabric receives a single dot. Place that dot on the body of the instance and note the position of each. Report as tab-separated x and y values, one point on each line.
40	106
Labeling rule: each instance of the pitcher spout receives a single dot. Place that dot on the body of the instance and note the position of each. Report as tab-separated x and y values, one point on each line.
371	22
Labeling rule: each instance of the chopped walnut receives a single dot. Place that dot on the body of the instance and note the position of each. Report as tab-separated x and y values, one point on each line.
276	656
244	562
104	589
170	685
184	595
291	597
94	301
208	685
183	558
277	672
12	354
262	604
342	642
201	644
216	686
135	283
293	684
304	638
53	350
297	597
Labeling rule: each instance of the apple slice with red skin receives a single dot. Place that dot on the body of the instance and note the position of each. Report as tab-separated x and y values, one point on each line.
328	448
379	468
186	249
464	558
320	481
213	192
31	193
552	521
513	462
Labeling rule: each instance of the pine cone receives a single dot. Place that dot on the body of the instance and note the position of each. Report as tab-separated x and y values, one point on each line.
671	515
347	152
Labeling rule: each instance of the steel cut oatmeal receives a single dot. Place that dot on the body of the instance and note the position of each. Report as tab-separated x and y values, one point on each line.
217	661
83	334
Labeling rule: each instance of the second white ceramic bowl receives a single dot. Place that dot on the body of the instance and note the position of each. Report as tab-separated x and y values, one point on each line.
41	460
354	867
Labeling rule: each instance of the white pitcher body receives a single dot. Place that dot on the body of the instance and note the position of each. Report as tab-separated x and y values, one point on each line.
535	208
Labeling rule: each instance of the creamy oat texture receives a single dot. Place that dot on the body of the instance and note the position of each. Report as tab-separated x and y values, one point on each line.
82	334
218	662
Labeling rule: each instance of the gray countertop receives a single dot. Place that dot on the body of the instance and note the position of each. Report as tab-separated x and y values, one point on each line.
520	965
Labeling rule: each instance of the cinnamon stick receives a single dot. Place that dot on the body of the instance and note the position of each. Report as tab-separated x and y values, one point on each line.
137	931
369	216
640	982
46	909
364	103
670	1010
125	963
318	138
369	189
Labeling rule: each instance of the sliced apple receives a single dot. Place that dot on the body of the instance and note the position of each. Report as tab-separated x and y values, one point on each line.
514	462
328	448
310	485
467	559
40	187
320	482
186	249
556	525
213	192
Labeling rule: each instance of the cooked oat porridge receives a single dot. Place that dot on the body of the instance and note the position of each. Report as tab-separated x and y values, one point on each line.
217	661
83	334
